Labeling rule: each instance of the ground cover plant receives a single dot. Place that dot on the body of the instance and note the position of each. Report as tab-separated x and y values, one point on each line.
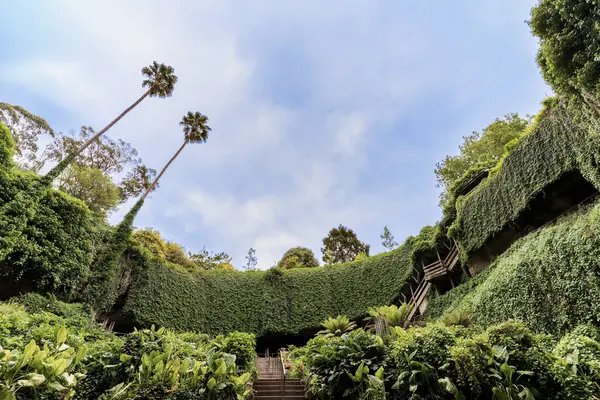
67	355
549	279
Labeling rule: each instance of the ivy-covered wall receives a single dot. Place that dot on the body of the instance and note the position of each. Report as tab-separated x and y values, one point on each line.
549	279
262	302
555	146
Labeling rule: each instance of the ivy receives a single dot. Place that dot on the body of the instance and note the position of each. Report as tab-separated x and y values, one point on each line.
287	301
556	145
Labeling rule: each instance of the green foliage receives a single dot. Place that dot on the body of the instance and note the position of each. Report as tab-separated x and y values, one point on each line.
298	257
7	146
339	366
160	79
91	186
104	174
387	239
101	290
555	146
507	361
342	245
26	129
278	301
46	356
382	318
577	365
336	326
480	148
47	239
549	279
569	46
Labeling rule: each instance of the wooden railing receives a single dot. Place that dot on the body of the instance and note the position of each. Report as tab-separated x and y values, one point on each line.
441	267
418	297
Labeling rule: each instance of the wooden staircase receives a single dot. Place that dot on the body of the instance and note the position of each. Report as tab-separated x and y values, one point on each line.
438	269
442	267
272	382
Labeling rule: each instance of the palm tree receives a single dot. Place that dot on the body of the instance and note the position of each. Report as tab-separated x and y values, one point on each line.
98	292
160	81
195	130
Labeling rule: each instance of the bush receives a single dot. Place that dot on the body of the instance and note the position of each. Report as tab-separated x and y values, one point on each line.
439	362
328	360
577	366
44	356
47	238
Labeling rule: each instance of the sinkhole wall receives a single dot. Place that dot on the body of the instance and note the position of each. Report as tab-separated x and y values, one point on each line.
549	279
264	302
555	146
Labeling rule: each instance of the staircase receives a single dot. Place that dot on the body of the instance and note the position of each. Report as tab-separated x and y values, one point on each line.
272	382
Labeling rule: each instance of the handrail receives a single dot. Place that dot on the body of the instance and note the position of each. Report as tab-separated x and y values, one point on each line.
283	374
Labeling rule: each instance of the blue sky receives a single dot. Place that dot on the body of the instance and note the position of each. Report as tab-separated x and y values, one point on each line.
322	112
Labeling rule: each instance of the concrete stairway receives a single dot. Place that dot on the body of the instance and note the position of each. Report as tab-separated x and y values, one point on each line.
271	383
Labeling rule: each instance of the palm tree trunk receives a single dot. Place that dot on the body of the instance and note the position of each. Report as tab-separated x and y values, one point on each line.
61	166
151	188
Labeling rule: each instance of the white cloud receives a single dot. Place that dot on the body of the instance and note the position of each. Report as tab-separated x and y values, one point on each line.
277	171
350	130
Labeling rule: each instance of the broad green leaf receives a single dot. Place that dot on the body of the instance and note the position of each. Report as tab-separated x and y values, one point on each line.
211	383
61	335
32	380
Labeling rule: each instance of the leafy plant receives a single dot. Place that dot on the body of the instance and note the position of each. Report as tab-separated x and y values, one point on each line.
336	326
33	370
369	387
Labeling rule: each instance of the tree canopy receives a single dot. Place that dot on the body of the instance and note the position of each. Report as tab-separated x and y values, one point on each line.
298	257
569	46
342	245
480	147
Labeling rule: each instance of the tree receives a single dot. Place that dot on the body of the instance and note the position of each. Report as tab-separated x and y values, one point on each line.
91	186
387	239
208	261
160	81
342	245
26	129
195	130
480	148
151	240
298	257
251	260
94	176
569	47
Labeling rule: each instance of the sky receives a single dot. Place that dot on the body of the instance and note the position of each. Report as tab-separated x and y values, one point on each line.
322	113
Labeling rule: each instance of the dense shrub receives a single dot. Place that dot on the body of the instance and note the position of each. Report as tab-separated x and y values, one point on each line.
47	239
506	361
46	356
549	279
329	360
279	301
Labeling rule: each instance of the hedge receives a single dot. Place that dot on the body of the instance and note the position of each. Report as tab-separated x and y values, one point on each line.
47	238
555	146
274	301
549	279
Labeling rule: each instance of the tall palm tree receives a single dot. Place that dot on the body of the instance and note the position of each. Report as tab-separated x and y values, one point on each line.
98	292
195	130
160	80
